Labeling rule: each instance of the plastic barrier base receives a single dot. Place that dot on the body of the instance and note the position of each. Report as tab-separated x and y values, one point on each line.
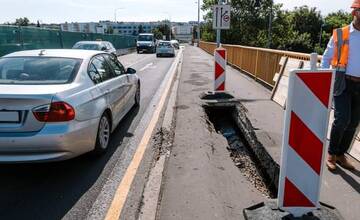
269	211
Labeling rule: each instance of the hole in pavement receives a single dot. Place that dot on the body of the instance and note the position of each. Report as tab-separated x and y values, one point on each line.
240	151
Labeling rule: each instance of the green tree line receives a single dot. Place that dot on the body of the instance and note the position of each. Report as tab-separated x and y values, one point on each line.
302	29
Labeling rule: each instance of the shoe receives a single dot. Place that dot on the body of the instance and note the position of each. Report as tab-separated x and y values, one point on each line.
331	162
345	162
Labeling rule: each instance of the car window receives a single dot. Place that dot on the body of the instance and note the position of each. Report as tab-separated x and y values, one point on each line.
87	46
115	64
102	68
108	45
38	70
145	38
164	44
94	75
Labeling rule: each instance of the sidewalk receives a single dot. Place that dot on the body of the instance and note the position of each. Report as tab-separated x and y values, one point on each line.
201	181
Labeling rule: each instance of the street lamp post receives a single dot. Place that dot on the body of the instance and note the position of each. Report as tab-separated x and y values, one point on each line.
115	11
320	37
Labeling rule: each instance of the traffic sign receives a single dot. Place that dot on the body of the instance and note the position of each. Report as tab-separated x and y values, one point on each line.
221	17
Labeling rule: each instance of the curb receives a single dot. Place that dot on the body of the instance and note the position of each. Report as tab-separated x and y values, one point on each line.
152	192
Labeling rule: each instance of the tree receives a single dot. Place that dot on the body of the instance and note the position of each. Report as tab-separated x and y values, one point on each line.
157	33
297	30
22	21
141	29
307	20
109	30
164	28
246	21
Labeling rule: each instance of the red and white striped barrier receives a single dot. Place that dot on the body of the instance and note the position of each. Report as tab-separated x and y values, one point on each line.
304	141
220	69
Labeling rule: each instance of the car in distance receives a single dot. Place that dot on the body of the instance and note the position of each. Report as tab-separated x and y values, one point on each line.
175	43
60	103
165	48
105	46
146	42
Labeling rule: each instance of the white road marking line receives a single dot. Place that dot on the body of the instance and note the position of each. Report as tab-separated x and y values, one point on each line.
146	66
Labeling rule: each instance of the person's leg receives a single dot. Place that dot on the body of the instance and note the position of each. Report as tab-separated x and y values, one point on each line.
350	130
342	111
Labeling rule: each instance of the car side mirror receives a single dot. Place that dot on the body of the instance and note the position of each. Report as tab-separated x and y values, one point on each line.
103	49
130	71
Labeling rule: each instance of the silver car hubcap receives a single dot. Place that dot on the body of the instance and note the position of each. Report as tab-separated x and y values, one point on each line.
104	132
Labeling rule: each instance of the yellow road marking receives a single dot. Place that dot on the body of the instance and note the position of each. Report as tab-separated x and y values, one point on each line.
125	184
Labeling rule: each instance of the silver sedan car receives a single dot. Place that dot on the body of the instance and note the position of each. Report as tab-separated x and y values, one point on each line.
165	48
58	104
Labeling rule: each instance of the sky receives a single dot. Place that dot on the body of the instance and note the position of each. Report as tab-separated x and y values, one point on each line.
59	11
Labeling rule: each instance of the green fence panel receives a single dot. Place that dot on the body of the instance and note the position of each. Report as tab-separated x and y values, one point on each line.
9	39
13	38
36	38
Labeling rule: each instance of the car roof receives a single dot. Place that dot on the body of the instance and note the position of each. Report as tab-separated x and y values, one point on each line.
66	53
92	42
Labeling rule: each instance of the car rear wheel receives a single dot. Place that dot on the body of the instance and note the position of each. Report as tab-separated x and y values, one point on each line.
103	135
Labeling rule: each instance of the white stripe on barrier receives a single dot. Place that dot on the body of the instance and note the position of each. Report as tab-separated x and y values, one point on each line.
308	178
301	108
220	80
220	60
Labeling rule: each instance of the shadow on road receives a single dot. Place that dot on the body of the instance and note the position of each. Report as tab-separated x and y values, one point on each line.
50	190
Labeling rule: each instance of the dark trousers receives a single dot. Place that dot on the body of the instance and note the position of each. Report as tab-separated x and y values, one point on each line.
347	116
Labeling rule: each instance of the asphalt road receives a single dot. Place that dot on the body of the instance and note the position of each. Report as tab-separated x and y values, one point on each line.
68	189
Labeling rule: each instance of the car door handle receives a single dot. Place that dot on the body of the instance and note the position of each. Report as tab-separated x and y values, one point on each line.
107	92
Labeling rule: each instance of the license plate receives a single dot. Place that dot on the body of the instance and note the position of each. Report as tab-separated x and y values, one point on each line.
9	116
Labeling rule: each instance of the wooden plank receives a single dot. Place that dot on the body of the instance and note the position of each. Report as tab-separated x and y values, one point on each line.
280	94
277	76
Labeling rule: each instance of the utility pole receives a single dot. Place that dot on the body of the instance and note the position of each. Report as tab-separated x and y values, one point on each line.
198	27
218	31
270	25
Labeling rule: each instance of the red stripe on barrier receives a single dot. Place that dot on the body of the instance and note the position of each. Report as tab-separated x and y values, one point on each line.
221	53
218	70
221	87
319	84
293	197
305	143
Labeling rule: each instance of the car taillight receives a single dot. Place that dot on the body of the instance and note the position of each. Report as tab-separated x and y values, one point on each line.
54	112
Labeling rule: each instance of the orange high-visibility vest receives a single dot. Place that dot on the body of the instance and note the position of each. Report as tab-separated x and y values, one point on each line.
341	37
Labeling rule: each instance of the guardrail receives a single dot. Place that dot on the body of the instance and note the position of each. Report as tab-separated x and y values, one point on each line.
260	63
